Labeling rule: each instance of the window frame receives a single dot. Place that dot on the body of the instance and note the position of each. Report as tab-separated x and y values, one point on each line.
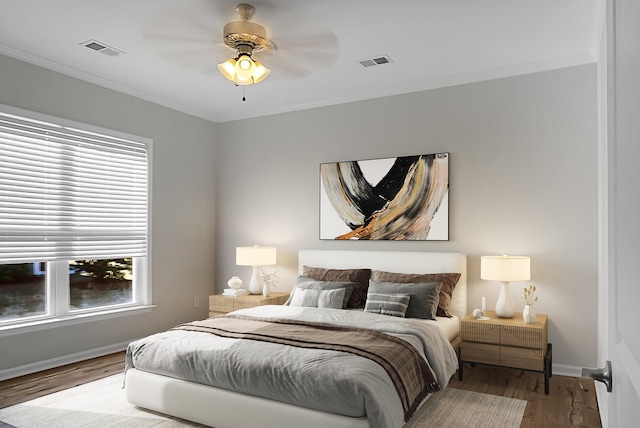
57	308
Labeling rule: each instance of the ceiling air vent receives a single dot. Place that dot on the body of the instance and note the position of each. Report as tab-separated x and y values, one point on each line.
379	60
102	48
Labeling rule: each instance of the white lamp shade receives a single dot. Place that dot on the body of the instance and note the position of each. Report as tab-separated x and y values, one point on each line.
505	268
255	256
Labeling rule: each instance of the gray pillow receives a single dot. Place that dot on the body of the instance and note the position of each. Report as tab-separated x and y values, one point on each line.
424	296
314	284
306	297
449	281
395	304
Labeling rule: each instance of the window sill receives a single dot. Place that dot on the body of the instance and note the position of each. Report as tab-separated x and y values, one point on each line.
67	320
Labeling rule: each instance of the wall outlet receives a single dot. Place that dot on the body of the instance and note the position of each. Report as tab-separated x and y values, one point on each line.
196	302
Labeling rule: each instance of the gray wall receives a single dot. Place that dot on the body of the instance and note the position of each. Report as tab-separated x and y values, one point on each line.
523	181
183	209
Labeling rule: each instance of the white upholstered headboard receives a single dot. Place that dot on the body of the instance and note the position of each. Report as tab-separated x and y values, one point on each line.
396	261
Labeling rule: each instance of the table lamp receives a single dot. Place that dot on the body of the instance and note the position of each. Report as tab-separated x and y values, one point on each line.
505	269
255	257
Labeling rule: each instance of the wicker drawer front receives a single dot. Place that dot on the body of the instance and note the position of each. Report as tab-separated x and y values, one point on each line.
522	358
480	332
506	332
220	304
480	353
532	338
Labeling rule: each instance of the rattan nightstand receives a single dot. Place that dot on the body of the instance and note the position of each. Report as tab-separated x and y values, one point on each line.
506	342
220	304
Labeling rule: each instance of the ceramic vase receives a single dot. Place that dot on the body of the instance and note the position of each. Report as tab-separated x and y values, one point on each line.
265	290
529	314
234	283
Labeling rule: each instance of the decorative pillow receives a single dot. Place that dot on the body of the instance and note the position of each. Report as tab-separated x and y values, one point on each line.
424	296
332	299
449	281
304	282
359	276
387	304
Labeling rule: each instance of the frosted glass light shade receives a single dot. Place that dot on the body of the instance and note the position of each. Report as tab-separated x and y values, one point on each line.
260	72
505	268
243	71
228	68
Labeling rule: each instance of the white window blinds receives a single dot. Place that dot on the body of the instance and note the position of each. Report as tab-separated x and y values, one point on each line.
70	194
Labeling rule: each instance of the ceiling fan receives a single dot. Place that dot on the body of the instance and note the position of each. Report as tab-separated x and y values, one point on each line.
199	34
245	38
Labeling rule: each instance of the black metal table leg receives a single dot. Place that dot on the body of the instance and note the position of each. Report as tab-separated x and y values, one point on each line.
548	361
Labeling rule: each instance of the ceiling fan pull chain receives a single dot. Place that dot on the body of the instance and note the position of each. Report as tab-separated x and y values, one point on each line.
243	94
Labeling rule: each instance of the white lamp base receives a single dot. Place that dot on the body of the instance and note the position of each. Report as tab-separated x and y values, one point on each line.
255	284
504	306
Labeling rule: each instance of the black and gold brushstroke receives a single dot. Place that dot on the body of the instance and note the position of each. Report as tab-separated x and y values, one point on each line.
400	207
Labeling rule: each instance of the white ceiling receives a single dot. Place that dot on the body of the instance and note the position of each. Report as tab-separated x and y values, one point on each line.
171	47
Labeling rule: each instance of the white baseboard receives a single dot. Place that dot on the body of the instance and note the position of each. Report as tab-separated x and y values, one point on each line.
61	361
565	370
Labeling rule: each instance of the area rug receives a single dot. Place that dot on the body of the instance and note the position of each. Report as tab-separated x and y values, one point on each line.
102	404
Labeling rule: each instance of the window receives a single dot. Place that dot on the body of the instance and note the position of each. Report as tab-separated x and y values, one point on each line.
74	210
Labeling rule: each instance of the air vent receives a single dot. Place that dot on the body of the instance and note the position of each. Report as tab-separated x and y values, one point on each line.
379	60
102	48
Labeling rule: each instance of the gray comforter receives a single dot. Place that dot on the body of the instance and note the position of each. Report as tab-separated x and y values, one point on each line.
330	381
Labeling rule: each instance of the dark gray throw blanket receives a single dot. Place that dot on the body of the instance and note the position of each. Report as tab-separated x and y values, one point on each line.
407	369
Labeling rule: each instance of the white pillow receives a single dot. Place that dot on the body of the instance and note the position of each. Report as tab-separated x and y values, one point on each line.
309	298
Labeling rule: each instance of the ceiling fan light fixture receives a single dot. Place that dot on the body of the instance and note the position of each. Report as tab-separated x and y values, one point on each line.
246	38
243	70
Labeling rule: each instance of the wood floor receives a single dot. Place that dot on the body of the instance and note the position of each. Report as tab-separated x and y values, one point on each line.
571	401
25	388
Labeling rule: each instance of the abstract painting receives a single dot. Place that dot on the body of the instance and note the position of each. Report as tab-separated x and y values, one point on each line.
402	198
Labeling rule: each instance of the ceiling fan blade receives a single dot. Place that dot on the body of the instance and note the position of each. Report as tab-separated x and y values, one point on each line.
300	57
190	36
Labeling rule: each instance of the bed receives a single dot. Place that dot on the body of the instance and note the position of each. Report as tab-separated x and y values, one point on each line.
162	390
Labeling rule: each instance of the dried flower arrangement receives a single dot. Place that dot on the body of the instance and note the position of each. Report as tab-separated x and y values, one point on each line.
269	278
528	295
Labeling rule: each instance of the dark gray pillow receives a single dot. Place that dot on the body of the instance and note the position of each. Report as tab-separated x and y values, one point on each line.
395	304
314	284
424	296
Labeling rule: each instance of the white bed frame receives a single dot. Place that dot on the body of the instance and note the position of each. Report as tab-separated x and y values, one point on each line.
225	409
